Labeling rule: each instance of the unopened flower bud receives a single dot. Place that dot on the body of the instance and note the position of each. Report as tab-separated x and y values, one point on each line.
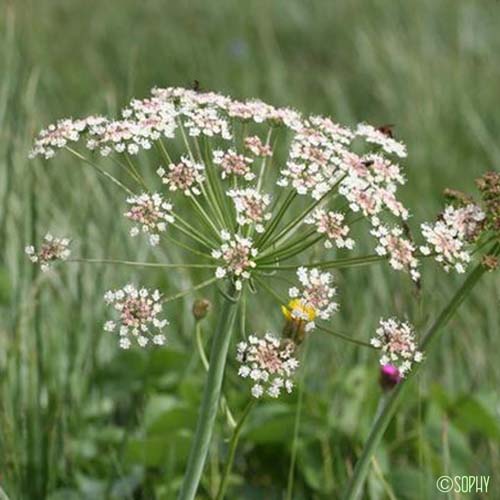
490	262
390	376
460	198
201	307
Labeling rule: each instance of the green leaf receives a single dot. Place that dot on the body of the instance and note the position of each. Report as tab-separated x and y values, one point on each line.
311	464
181	417
470	415
5	287
409	483
166	360
274	423
278	429
156	451
156	405
65	494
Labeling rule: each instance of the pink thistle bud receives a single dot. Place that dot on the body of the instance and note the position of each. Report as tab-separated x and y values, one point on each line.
390	376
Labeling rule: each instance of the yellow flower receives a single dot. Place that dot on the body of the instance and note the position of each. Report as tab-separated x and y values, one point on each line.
297	306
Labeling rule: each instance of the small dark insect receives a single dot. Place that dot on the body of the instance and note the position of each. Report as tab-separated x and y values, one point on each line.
418	286
407	230
367	163
196	86
387	130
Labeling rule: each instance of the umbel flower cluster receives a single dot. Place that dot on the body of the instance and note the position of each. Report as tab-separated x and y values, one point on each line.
465	226
396	340
313	299
138	316
269	363
52	249
249	214
151	215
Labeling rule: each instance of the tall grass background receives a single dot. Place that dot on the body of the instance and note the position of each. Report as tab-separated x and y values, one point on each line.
78	418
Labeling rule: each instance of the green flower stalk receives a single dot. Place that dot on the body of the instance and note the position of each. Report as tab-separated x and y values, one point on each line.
383	418
211	396
463	221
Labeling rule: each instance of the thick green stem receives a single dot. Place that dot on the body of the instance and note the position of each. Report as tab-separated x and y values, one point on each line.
210	400
383	418
204	361
232	450
296	428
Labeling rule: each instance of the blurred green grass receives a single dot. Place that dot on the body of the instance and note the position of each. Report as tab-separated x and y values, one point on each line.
430	68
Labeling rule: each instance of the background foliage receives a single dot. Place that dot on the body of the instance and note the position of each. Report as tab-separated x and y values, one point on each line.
78	418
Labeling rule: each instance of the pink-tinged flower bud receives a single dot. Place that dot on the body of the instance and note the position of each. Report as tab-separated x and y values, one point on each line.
390	376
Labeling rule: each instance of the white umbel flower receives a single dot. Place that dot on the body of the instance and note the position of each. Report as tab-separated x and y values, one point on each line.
331	225
51	250
250	207
57	136
269	363
396	340
238	258
449	236
387	143
256	147
185	176
151	214
400	250
138	311
314	298
233	164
